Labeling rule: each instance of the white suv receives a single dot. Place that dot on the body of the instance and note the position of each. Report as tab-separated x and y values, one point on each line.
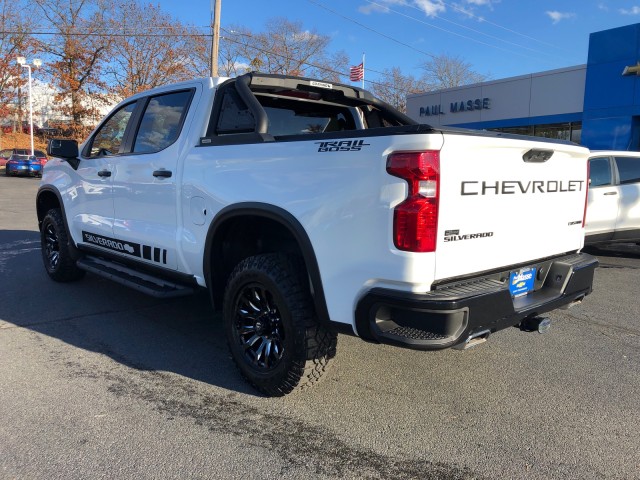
613	212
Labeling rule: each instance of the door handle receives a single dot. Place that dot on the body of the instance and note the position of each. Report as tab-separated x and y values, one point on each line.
611	193
104	173
162	173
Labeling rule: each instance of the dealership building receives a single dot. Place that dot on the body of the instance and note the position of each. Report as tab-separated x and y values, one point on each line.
596	105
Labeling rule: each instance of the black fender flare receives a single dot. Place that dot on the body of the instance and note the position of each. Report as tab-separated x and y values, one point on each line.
288	221
49	189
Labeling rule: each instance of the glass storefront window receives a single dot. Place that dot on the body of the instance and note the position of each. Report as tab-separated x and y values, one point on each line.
561	131
515	130
576	133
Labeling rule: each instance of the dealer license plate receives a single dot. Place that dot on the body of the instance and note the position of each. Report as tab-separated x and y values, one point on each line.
522	281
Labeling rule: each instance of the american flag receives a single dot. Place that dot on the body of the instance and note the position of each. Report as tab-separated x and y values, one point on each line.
356	73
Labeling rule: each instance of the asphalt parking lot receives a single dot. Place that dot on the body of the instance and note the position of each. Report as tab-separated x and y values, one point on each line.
99	381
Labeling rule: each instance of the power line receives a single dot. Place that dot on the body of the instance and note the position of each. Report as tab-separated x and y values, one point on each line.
249	35
482	19
319	67
108	34
373	30
105	33
417	20
461	26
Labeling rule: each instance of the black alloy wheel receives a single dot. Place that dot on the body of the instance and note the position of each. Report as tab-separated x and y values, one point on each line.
258	327
56	252
272	330
51	246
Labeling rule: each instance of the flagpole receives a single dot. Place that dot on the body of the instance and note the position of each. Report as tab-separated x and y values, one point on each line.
363	70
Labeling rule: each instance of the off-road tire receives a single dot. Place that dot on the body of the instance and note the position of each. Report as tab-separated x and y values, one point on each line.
54	244
268	308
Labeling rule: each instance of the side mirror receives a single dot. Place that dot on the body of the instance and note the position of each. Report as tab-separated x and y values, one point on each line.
62	148
66	149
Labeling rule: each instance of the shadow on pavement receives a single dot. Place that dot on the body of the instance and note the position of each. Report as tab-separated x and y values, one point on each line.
181	335
620	250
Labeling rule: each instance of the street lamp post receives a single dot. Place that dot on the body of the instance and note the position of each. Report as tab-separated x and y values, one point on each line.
23	63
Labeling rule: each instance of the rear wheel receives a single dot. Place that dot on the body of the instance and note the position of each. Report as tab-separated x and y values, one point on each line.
272	331
56	254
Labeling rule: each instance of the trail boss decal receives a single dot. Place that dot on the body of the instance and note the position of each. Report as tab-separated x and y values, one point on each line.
454	235
129	248
341	146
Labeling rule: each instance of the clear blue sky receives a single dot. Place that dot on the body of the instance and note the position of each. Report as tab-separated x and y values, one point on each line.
499	38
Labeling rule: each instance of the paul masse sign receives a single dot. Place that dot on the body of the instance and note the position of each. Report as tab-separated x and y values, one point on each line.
456	107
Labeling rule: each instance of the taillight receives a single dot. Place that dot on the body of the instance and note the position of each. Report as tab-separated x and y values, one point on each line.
415	220
586	195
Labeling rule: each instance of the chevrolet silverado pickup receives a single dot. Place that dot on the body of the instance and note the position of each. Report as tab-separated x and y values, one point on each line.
308	208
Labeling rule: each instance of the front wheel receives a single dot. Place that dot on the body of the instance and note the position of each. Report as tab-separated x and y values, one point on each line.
56	254
271	327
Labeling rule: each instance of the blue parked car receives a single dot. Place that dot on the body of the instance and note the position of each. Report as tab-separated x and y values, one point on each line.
23	165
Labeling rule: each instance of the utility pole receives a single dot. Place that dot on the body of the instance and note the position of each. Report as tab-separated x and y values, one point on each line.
215	37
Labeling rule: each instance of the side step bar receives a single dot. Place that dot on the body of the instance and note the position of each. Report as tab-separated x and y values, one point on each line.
154	286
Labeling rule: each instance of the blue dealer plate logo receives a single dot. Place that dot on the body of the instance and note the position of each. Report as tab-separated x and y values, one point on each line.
522	281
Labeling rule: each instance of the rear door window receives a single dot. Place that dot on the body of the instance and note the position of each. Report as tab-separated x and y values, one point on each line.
600	172
162	121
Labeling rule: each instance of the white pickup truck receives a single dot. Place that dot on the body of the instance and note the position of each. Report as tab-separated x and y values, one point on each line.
308	208
613	210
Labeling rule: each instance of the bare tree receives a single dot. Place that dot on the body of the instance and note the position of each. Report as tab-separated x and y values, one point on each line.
77	56
14	41
230	61
159	53
445	71
394	87
233	46
284	48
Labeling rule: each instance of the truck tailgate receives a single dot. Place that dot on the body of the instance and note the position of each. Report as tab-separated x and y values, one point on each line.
497	210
